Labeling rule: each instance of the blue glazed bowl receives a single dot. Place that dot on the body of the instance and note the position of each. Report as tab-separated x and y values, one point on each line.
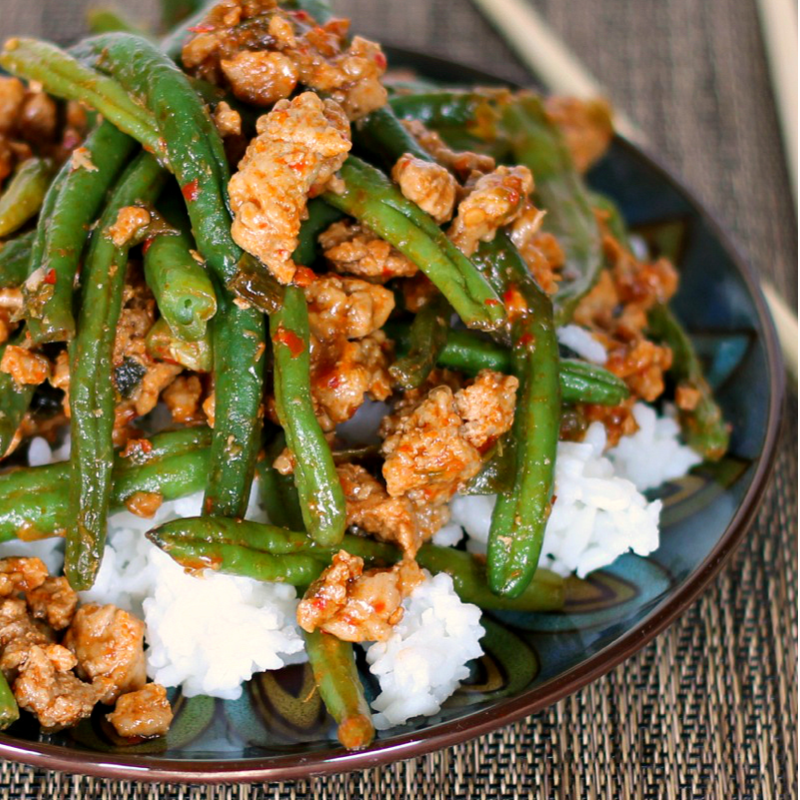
279	728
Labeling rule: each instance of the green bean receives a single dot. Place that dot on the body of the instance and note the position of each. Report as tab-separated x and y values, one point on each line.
182	288
163	345
9	711
252	549
278	492
615	221
34	502
382	134
14	401
15	255
520	515
64	76
71	206
197	158
334	666
321	496
24	195
469	353
466	120
91	385
108	20
703	426
320	217
237	336
427	338
539	145
372	198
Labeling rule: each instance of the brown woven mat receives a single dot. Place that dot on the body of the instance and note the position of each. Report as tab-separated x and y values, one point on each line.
709	709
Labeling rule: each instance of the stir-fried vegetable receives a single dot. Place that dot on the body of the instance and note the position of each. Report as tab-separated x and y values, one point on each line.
91	388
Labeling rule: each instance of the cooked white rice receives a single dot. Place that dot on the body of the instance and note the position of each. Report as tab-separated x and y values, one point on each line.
580	341
207	634
426	657
655	453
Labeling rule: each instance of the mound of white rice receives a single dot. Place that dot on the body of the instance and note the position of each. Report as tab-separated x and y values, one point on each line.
600	511
426	657
581	342
209	633
654	454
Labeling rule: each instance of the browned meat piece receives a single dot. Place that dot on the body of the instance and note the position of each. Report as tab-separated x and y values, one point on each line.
427	456
358	607
615	310
463	164
59	378
54	601
390	519
541	251
47	688
227	120
687	397
496	199
487	407
21	575
130	222
144	504
343	372
260	77
353	248
108	643
143	714
12	95
136	319
300	144
182	397
586	124
346	307
38	118
18	633
261	52
25	366
209	407
428	185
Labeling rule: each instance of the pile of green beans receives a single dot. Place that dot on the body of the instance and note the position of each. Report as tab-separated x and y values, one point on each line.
469	353
92	397
154	145
72	204
520	515
34	502
267	552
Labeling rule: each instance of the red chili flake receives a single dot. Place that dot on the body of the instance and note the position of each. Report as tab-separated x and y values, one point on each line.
491	302
204	28
319	603
146	244
290	339
50	277
304	277
303	16
380	60
190	190
525	340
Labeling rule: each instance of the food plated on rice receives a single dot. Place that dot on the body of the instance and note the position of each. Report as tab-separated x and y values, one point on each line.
308	362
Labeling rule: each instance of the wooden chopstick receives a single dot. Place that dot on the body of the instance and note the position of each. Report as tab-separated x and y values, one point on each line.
779	27
561	72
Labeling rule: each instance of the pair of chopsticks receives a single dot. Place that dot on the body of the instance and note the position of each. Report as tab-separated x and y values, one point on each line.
562	73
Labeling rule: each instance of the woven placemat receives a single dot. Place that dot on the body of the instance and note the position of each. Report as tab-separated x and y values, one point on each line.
709	709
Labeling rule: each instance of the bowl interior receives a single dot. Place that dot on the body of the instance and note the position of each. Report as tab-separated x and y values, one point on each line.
279	728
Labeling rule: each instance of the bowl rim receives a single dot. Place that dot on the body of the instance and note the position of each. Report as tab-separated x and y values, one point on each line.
417	743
